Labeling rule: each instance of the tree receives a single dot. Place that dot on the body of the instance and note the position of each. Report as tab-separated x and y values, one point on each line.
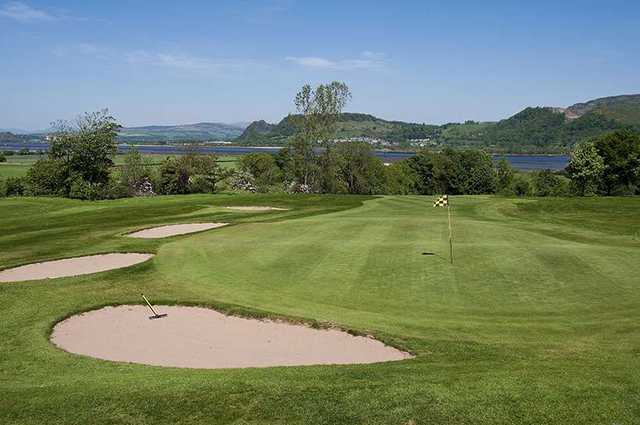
135	173
400	179
546	183
319	110
80	157
2	157
504	177
174	176
263	168
521	186
358	170
585	169
48	177
620	152
87	146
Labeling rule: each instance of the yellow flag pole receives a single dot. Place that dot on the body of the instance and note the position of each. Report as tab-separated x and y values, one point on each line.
450	232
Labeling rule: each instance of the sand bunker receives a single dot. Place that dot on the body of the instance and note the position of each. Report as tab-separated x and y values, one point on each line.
257	208
72	266
174	230
195	337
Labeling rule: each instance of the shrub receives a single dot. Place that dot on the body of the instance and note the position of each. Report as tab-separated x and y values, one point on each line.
47	177
3	158
546	183
15	186
521	186
400	179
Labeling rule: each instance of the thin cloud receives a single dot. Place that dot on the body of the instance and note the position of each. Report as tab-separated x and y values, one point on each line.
22	12
84	49
186	62
366	60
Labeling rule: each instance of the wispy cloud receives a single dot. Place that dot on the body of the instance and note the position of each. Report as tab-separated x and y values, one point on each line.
22	12
84	49
366	60
187	62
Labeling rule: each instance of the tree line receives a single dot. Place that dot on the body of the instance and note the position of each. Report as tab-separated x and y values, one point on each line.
80	164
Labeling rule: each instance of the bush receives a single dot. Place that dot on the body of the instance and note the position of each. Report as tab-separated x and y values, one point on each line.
546	183
521	186
3	158
263	168
83	189
504	178
47	177
400	179
15	186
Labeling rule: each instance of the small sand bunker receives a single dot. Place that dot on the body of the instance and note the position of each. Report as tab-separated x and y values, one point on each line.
196	337
174	230
72	266
257	208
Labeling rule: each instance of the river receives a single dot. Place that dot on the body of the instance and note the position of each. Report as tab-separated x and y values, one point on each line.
519	162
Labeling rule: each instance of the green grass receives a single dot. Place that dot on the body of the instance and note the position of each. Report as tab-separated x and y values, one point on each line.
535	323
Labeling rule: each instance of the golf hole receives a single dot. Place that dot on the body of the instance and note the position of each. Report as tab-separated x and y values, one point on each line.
174	230
196	337
72	266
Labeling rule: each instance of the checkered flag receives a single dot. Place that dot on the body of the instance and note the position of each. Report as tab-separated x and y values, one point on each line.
442	201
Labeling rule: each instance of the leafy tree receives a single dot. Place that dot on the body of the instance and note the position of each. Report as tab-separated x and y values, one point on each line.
48	177
189	173
504	177
358	170
15	186
620	152
174	176
135	172
3	158
546	183
263	168
400	179
319	110
521	186
87	146
585	169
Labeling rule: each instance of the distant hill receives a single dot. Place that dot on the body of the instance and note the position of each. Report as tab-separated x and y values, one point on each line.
200	132
8	137
624	109
349	126
532	130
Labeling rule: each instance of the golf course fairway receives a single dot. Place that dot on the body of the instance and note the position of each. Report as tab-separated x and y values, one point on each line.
537	321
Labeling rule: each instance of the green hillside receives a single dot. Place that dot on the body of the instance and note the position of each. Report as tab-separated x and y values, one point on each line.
624	109
349	126
532	130
190	132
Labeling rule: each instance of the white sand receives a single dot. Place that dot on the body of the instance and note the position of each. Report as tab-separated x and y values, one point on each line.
195	337
174	230
72	266
257	208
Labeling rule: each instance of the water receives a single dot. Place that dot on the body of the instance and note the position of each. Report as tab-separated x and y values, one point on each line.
519	162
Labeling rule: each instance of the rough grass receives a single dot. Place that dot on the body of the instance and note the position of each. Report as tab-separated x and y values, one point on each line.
536	322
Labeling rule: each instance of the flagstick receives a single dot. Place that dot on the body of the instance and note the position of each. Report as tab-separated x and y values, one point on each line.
450	235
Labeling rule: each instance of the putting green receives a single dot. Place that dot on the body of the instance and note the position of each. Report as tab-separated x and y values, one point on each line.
535	322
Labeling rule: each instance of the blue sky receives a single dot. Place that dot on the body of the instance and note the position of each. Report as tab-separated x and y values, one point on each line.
167	62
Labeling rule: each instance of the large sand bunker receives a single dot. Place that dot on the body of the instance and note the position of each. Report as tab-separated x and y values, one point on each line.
174	230
72	266
257	208
196	337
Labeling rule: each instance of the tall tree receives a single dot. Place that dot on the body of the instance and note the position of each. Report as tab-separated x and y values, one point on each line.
585	169
318	111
